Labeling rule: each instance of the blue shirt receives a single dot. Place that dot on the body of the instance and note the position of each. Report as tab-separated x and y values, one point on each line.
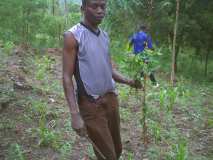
140	40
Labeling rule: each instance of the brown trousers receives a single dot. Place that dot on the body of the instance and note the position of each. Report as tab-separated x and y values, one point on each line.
103	124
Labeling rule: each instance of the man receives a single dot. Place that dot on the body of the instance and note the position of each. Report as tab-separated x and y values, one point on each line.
86	56
140	41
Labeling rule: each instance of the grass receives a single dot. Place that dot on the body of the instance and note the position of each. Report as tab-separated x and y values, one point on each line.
176	117
41	68
177	106
15	152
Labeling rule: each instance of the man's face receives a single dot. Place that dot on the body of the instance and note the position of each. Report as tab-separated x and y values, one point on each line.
95	10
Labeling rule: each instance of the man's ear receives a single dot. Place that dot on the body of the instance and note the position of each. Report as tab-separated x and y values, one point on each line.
82	8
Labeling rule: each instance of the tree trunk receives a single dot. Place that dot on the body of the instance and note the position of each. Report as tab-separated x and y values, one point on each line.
150	8
201	58
59	33
66	13
28	27
174	43
53	7
176	57
149	15
206	63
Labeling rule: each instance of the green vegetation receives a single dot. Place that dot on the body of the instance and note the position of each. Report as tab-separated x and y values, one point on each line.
34	117
15	152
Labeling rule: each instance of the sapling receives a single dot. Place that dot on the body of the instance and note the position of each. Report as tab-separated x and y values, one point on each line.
139	67
172	96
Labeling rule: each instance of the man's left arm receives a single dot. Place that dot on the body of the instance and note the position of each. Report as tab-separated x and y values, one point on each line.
118	77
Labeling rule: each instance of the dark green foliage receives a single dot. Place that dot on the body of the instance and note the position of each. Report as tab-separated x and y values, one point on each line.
194	31
33	23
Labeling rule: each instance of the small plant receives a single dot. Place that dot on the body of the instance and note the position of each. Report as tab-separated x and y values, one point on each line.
155	130
153	153
162	98
15	152
167	98
130	156
123	92
172	96
125	114
8	46
90	151
39	107
43	65
181	152
47	137
65	150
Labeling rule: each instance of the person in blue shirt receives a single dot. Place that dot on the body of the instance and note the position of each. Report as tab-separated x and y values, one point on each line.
140	41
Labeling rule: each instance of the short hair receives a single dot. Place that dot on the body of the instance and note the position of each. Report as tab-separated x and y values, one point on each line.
84	2
143	27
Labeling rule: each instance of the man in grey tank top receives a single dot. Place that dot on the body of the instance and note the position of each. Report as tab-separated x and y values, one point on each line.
86	56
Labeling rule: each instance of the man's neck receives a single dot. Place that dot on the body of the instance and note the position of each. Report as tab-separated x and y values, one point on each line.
90	25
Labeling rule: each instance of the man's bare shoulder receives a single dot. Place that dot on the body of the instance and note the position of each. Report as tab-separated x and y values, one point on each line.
68	35
69	39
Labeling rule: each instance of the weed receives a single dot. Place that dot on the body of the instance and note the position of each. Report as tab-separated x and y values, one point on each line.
123	93
162	98
130	156
43	65
38	107
8	46
7	124
125	114
15	152
48	138
90	151
66	150
153	153
181	152
155	129
167	98
172	96
67	125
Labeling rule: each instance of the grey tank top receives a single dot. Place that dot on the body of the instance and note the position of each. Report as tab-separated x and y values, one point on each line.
93	70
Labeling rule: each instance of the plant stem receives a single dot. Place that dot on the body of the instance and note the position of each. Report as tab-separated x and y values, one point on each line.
144	112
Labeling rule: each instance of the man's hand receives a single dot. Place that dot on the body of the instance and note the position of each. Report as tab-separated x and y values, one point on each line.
135	84
78	125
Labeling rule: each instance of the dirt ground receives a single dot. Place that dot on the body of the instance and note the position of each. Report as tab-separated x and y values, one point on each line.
18	121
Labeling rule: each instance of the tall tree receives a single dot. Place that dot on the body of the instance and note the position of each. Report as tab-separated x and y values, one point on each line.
53	7
174	43
66	12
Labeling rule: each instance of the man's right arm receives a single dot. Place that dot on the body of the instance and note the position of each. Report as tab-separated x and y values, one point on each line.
69	58
149	42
